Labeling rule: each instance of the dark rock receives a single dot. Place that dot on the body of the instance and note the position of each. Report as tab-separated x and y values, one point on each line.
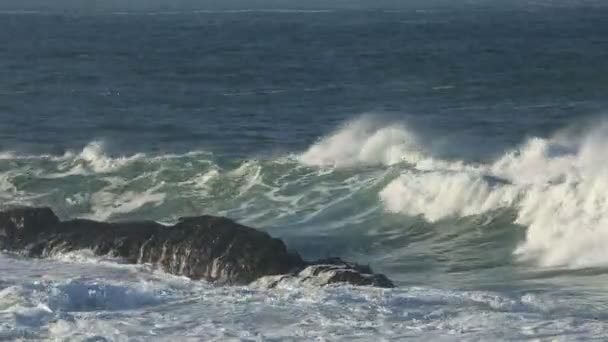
332	271
20	224
326	272
206	247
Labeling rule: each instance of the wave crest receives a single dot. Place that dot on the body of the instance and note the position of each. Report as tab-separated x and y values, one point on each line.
365	142
559	187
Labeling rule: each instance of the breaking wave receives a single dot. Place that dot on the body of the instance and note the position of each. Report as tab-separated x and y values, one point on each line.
557	186
364	142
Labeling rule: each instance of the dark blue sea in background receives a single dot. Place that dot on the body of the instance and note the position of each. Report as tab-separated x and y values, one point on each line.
461	149
244	83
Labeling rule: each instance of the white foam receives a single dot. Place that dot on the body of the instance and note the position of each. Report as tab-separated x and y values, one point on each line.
250	173
93	157
111	201
7	155
87	256
7	188
441	194
202	181
74	301
364	142
558	185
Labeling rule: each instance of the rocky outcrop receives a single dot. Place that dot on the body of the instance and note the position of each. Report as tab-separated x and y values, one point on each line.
205	247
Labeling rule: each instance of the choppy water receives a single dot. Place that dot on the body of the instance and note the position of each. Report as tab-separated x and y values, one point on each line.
461	150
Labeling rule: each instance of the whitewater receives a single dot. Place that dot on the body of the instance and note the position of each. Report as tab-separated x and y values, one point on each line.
536	211
556	186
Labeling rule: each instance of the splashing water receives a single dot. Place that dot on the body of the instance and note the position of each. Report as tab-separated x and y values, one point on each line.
556	185
364	142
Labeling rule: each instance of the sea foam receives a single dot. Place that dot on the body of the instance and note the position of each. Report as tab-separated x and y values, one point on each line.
364	142
557	185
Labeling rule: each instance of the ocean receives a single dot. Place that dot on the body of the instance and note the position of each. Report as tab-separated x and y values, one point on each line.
459	148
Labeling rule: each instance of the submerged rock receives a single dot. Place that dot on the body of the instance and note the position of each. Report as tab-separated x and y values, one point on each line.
205	247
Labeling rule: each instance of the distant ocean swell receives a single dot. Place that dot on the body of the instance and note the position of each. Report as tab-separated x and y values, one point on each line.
557	186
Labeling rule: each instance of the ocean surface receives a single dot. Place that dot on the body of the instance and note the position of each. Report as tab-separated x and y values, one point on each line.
461	150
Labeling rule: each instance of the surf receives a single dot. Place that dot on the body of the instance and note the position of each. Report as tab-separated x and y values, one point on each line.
556	186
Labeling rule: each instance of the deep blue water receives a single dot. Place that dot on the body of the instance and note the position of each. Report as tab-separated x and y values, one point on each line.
250	83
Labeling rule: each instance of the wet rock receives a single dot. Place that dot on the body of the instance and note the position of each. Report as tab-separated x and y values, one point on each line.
205	247
327	272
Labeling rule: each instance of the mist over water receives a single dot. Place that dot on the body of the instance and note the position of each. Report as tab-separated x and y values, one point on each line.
459	150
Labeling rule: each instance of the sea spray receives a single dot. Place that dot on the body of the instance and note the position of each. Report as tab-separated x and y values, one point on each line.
364	142
559	188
